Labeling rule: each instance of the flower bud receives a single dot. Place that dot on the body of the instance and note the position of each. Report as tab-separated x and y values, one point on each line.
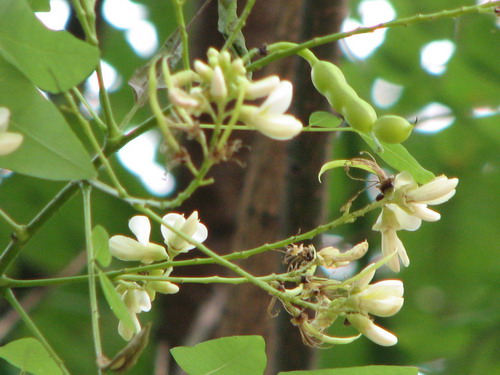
183	78
238	67
203	70
181	98
218	88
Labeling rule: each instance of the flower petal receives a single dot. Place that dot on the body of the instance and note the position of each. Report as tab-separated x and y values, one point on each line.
279	127
128	249
9	142
442	199
142	300
404	181
262	87
433	190
391	244
405	220
4	118
375	333
141	227
125	248
279	100
201	233
175	220
127	333
422	212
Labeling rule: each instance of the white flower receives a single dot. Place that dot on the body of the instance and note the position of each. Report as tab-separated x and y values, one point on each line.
191	227
9	142
269	118
414	199
408	211
375	333
126	248
384	298
136	301
390	220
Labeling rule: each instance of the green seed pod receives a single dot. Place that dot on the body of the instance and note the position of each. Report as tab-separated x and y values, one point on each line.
359	114
392	129
339	97
327	77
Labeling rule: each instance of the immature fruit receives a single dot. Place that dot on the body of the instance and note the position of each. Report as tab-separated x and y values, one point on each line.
359	114
392	129
339	97
327	77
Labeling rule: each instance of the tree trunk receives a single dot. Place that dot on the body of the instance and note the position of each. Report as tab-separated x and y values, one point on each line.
246	207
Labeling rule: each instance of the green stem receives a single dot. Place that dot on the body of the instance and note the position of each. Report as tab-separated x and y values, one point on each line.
198	181
347	218
419	18
94	308
207	279
157	111
234	118
305	129
130	200
15	246
86	16
113	129
236	31
83	16
19	230
225	263
126	275
95	144
179	16
89	108
11	298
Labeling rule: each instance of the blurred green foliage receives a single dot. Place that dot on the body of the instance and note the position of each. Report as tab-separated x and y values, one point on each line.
450	322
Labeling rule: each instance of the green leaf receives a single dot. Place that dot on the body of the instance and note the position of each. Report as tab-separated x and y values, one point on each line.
342	163
365	370
228	19
224	356
54	60
115	301
29	355
39	5
398	157
100	241
49	149
324	120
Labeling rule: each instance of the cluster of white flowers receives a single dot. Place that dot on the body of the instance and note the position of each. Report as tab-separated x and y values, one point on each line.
222	81
406	209
138	296
9	141
356	301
